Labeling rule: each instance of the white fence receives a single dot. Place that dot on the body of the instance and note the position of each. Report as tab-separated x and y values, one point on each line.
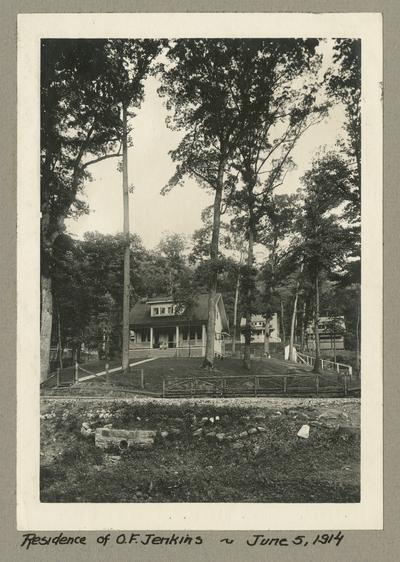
326	365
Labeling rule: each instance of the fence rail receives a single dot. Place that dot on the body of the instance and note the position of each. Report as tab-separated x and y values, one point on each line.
258	385
326	365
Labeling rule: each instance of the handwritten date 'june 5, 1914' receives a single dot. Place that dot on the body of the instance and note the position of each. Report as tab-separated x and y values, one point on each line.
300	540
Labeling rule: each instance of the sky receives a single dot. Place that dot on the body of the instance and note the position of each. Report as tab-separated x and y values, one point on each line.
150	167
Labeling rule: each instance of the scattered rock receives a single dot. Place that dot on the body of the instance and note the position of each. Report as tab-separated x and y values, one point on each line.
237	445
216	418
86	431
175	431
164	434
198	432
211	419
256	450
204	420
243	434
277	413
220	436
113	459
333	417
260	417
252	431
261	429
304	432
211	435
179	420
229	438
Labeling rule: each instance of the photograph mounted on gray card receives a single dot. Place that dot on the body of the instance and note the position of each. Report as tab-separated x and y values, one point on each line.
203	318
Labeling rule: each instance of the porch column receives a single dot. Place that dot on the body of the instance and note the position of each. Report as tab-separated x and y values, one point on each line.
177	336
151	338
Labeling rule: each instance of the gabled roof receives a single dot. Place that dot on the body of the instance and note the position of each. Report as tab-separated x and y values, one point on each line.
140	313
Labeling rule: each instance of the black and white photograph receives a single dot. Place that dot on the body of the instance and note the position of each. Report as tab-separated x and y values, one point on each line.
202	224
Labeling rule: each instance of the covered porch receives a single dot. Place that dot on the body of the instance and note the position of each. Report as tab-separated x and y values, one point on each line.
174	340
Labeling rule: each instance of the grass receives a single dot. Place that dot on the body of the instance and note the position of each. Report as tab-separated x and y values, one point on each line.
274	466
176	368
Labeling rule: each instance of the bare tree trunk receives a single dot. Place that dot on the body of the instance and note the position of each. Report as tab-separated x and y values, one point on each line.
235	307
247	335
283	324
126	310
317	364
45	325
294	316
212	291
266	337
303	316
358	351
59	338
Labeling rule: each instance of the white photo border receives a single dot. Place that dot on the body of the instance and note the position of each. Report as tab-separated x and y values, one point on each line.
31	513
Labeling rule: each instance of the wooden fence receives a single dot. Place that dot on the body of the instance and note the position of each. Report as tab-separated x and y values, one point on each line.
326	365
308	384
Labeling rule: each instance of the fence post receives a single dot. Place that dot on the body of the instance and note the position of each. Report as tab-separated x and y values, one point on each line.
58	376
285	384
163	388
350	371
76	371
338	367
141	378
255	386
345	384
317	384
107	375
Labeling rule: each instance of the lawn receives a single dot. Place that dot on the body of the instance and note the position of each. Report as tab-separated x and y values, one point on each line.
269	466
184	368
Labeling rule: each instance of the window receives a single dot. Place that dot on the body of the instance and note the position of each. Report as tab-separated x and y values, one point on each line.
171	310
162	310
155	311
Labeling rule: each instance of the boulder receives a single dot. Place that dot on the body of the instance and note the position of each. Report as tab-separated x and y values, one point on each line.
198	432
252	431
86	430
211	435
243	434
220	436
333	417
304	432
261	429
124	438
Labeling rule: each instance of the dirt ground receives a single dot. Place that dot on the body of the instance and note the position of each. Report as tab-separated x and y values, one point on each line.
257	457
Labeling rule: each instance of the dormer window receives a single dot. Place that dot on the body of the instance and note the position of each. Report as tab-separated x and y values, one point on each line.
169	310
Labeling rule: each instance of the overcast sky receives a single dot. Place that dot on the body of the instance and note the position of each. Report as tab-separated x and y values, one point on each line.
150	167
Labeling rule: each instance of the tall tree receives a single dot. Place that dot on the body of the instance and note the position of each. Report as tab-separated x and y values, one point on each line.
326	241
198	84
344	85
82	81
281	104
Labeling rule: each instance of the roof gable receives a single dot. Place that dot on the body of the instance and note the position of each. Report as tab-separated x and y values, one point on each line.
141	312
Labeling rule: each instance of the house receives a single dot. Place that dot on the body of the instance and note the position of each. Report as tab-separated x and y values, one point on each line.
331	333
258	329
159	327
